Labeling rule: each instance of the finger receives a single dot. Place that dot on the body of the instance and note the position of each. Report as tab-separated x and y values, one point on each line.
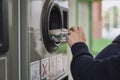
68	37
73	29
69	32
80	28
83	35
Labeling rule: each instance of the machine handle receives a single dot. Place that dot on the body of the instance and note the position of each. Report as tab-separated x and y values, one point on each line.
59	35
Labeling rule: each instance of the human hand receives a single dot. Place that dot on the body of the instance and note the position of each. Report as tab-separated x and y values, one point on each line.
75	34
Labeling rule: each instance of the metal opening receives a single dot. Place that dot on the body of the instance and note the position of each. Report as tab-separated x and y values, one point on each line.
55	21
51	20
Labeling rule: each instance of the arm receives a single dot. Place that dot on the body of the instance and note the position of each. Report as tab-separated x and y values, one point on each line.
84	66
111	50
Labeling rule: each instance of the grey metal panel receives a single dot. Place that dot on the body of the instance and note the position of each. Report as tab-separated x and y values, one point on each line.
13	39
24	40
11	66
32	47
36	45
3	68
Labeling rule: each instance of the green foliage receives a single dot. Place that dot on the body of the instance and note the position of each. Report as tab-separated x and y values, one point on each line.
63	48
88	0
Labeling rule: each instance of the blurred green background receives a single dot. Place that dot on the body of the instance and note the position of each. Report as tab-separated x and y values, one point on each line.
99	44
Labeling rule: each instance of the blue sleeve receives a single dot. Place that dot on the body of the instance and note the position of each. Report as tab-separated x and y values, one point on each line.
85	67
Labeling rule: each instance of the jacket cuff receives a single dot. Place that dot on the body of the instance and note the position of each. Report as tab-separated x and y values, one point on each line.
79	49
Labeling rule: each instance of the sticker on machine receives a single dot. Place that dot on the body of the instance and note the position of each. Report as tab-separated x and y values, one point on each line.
45	68
59	63
53	65
35	70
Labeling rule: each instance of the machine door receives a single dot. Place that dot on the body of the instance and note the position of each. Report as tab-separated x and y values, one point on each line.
43	33
3	26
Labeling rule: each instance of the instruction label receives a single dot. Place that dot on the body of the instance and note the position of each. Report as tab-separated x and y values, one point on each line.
53	65
35	70
44	68
59	63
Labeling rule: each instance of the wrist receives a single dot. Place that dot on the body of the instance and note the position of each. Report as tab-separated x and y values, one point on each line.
76	43
79	48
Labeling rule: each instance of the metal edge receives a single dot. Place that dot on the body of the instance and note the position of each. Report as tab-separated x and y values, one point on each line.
4	58
19	42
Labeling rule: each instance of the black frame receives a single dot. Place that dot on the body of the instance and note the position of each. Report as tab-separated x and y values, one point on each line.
49	44
4	42
62	20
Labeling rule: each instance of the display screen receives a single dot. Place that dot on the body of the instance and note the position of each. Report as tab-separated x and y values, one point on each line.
1	22
55	21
